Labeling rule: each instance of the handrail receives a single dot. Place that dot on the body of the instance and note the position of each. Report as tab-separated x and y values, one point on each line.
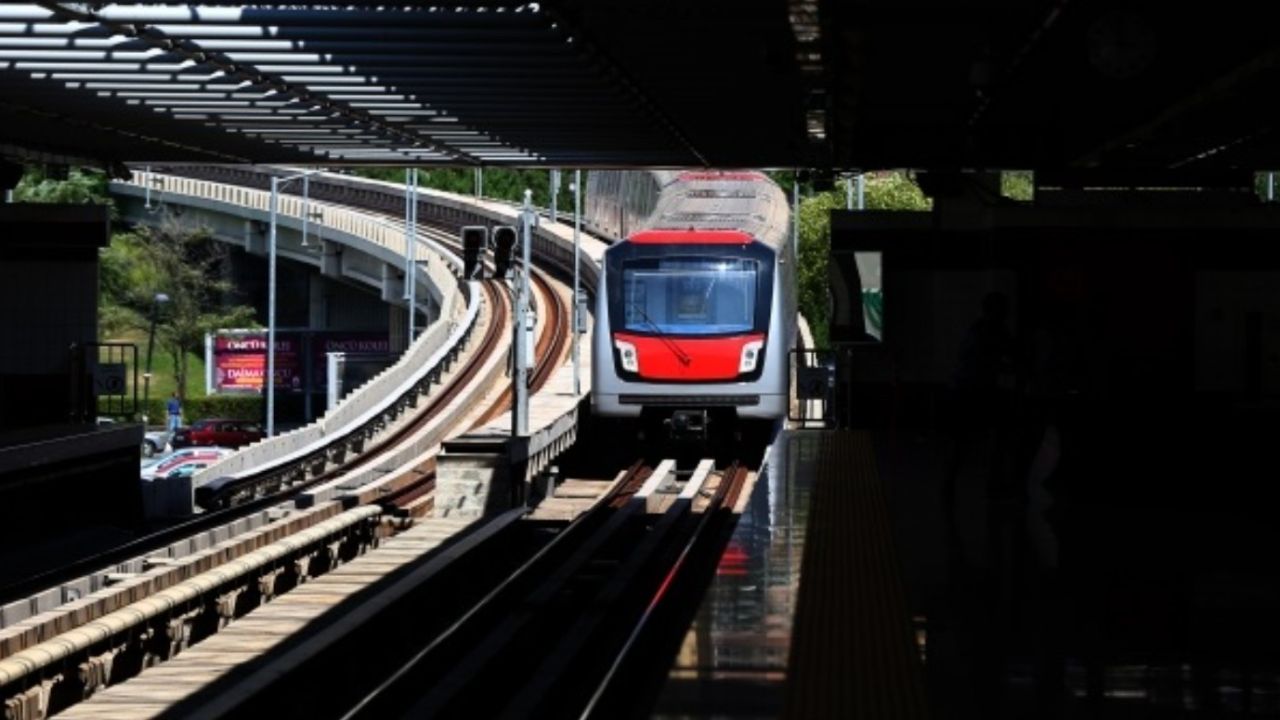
553	244
383	392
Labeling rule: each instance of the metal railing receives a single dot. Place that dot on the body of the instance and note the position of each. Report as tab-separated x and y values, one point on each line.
361	413
366	411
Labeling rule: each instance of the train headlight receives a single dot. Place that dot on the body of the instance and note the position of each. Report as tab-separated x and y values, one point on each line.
750	356
627	351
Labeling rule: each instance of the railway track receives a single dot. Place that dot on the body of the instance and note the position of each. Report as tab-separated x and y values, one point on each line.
218	498
224	503
507	629
556	635
408	495
551	345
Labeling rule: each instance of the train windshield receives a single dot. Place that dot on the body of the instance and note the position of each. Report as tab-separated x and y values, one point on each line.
689	295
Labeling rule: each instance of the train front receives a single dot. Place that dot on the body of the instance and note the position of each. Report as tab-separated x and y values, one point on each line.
685	320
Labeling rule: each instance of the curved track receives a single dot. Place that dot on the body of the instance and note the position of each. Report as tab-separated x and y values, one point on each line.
225	509
550	349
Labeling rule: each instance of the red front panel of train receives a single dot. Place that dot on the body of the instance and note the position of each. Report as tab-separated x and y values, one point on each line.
688	359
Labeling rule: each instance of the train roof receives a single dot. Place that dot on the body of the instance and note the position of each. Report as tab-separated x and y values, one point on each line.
701	201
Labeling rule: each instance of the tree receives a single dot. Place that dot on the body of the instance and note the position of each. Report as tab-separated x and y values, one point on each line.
80	187
881	191
185	266
499	183
1018	185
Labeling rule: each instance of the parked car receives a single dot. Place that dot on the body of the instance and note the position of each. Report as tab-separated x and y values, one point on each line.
224	432
188	469
193	458
156	442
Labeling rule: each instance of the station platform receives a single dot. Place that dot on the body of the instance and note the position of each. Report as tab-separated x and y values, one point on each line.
853	586
806	615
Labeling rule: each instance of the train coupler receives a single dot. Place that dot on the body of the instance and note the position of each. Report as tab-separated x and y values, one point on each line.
687	425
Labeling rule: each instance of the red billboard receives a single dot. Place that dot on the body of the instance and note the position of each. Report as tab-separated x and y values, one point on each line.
238	358
240	362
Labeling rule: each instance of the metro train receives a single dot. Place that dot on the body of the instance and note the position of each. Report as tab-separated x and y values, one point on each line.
696	306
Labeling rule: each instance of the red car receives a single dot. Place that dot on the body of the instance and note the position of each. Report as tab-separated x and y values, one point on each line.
222	432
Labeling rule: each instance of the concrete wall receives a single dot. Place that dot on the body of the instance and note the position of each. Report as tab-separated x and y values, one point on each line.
48	301
55	477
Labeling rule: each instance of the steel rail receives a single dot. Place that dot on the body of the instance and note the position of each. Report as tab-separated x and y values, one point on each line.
149	543
488	344
549	351
726	495
594	574
545	559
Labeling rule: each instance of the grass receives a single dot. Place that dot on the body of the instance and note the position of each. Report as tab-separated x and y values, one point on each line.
163	380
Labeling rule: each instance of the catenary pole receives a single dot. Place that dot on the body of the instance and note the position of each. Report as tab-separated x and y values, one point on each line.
271	310
577	253
519	378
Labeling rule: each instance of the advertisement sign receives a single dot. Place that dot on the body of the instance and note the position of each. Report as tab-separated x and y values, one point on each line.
240	362
351	343
238	358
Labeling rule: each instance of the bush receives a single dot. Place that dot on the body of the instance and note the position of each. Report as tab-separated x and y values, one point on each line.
240	407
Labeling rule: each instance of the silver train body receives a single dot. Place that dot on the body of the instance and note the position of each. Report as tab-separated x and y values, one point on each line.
696	305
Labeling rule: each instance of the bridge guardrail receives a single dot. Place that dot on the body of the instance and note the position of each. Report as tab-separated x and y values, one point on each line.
552	244
386	393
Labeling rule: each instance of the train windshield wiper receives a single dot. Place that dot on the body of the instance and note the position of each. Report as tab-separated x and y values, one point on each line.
675	349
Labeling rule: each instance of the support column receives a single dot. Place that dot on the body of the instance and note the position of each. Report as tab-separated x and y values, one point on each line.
255	237
398	328
392	285
318	302
331	258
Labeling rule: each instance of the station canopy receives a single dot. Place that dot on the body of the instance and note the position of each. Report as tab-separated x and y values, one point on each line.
841	84
358	83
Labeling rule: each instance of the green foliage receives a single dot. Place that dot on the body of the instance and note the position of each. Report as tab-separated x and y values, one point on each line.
239	407
1018	185
881	191
499	183
81	187
895	191
811	270
185	266
115	321
125	269
1260	183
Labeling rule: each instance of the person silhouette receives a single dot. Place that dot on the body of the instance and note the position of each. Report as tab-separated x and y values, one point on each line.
981	389
173	409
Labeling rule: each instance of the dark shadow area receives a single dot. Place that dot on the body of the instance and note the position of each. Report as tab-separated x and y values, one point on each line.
1082	483
606	446
66	482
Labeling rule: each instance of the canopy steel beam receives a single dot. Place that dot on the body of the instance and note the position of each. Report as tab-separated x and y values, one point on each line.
190	52
308	82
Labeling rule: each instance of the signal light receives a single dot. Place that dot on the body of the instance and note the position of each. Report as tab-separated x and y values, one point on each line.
474	240
504	244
